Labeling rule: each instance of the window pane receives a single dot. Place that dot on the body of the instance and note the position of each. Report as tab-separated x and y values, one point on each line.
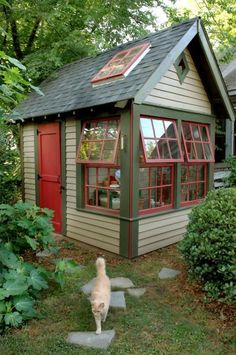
150	148
84	151
108	150
89	131
92	176
201	172
204	133
192	173
166	173
196	135
103	198
170	131
143	200
102	176
191	151
154	176
187	131
147	129
166	195
192	192
100	130
174	149
184	173
207	151
199	148
112	129
184	193
91	197
159	128
95	151
143	177
201	190
163	149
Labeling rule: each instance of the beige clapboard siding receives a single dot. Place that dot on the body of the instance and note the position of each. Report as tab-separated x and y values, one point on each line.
190	95
157	232
29	161
99	231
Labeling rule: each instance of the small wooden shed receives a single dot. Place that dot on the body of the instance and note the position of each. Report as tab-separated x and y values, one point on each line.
121	145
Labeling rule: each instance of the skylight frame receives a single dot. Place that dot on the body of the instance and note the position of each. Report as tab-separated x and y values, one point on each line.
144	47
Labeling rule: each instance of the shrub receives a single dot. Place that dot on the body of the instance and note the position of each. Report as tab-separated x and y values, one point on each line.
231	161
25	225
209	244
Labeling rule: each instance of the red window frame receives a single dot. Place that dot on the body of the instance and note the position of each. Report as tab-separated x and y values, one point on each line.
106	189
113	65
160	187
103	140
196	182
156	139
192	142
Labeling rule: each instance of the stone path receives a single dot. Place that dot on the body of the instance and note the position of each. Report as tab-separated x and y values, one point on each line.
102	341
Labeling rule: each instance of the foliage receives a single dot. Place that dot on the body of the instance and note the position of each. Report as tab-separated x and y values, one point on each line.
20	283
46	34
219	18
209	244
14	85
231	161
25	225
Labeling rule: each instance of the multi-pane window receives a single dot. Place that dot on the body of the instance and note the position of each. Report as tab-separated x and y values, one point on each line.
121	63
197	143
156	188
160	140
193	182
99	152
99	142
160	144
102	188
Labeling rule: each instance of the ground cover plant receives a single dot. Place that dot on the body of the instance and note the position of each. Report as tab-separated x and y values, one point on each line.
209	244
171	318
25	227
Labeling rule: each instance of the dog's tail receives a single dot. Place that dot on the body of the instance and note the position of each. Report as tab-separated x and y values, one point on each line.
101	266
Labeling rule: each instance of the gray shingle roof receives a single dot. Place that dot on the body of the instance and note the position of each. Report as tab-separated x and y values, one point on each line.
70	89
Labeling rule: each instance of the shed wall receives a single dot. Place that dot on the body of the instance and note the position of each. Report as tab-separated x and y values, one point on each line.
160	231
100	231
190	95
28	154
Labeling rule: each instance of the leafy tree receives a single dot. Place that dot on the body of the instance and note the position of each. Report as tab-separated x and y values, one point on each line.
46	34
219	17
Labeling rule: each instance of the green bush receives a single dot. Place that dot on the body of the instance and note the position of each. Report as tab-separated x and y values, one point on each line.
231	161
25	225
209	244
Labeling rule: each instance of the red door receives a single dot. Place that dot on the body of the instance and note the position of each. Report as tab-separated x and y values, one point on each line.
49	151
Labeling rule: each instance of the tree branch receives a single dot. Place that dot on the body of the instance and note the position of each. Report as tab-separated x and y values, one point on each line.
32	35
14	33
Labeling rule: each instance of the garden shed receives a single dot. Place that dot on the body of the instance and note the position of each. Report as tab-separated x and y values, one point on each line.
121	145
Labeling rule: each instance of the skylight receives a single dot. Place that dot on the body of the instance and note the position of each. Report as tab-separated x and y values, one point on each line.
121	64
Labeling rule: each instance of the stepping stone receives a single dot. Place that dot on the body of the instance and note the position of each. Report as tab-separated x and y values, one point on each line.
121	282
44	253
87	288
118	300
92	340
167	273
136	292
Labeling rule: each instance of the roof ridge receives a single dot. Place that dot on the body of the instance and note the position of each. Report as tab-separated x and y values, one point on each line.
149	35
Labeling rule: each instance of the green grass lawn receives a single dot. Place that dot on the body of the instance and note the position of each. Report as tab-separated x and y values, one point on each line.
169	319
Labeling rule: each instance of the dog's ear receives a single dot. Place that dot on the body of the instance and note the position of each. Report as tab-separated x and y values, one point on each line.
101	306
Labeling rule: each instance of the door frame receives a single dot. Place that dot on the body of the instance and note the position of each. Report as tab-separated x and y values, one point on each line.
63	168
